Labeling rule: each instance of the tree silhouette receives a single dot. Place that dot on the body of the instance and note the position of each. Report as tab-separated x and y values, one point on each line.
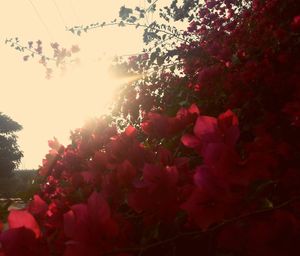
10	154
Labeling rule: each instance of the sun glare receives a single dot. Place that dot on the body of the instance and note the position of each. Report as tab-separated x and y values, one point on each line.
84	92
51	108
87	90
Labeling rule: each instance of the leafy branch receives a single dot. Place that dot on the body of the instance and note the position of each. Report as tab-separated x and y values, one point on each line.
153	27
15	43
60	55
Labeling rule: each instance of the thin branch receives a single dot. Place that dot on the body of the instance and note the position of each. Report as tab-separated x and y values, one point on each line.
247	215
126	24
196	233
31	50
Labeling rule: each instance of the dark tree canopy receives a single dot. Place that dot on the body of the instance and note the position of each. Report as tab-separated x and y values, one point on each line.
10	154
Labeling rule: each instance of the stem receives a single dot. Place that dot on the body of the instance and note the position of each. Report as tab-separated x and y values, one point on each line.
199	232
132	24
32	51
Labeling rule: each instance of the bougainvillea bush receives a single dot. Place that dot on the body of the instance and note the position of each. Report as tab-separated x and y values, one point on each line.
217	175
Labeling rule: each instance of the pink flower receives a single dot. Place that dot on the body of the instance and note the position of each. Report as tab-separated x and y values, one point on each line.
223	129
89	226
296	23
17	219
38	206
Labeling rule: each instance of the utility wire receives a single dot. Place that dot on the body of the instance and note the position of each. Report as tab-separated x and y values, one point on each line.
151	5
74	11
41	19
60	14
146	12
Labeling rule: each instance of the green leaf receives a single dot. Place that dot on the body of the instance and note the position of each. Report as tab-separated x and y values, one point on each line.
267	204
132	19
124	12
153	56
160	60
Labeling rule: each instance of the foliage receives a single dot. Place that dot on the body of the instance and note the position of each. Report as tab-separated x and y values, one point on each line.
17	185
210	162
10	154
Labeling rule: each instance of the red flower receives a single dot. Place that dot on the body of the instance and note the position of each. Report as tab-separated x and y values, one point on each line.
38	206
17	219
228	125
296	23
206	207
125	173
159	126
155	176
90	226
156	194
211	130
23	236
156	125
22	241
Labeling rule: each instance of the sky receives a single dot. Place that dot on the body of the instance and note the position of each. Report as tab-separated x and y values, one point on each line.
52	108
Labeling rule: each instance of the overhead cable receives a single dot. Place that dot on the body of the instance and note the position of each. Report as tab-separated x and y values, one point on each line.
41	19
60	14
74	11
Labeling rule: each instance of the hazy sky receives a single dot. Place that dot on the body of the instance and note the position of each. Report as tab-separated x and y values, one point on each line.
48	108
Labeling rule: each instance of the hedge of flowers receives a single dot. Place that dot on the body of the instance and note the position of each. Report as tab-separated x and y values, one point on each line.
221	176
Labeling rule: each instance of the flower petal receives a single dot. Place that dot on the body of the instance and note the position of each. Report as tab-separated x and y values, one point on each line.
206	128
17	219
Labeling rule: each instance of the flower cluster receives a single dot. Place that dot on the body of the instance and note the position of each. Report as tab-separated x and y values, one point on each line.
219	176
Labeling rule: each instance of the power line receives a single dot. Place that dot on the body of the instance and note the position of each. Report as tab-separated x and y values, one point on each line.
151	5
41	19
60	14
74	11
